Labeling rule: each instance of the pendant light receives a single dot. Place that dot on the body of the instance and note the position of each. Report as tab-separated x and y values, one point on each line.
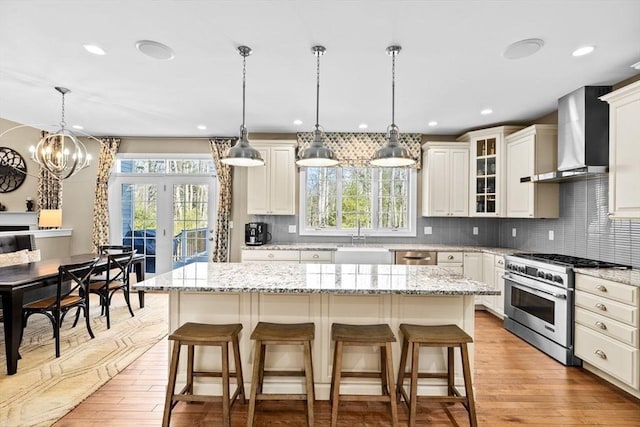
61	153
317	154
242	153
392	154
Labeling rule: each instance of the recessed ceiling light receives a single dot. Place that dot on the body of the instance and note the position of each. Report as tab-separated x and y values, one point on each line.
433	123
155	50
77	127
363	126
636	65
584	50
202	127
523	48
95	49
486	111
297	122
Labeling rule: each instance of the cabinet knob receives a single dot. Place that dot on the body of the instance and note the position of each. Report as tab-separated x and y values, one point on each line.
601	325
601	288
601	306
270	255
601	354
501	262
316	256
450	257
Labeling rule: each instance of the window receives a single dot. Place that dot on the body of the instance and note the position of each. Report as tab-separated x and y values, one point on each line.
339	201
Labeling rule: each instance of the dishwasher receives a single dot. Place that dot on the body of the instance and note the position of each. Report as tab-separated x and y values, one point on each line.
416	257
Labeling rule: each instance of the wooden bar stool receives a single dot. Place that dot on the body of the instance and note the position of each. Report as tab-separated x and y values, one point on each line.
363	336
281	334
450	336
192	334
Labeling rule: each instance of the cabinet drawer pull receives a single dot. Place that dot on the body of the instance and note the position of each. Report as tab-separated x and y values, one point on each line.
601	354
601	288
316	256
270	255
601	325
450	257
500	262
601	306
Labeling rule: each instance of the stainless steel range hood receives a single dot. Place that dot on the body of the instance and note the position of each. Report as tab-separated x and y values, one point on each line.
583	136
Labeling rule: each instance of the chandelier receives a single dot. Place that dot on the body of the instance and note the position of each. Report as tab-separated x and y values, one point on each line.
392	154
61	152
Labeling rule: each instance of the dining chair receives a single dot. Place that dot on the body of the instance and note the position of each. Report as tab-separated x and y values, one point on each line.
116	278
75	296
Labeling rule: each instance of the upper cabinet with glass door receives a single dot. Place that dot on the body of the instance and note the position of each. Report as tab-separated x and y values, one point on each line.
487	170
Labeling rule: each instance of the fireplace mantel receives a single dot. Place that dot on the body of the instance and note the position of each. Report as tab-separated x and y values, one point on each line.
18	221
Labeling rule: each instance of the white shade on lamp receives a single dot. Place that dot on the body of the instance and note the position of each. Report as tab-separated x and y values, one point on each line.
50	218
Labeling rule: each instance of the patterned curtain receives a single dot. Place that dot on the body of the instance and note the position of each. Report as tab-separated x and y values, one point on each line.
108	150
220	248
356	149
49	187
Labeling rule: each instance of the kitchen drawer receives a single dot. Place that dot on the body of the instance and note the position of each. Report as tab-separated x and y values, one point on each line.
449	257
266	255
617	359
612	328
605	307
500	261
316	256
617	291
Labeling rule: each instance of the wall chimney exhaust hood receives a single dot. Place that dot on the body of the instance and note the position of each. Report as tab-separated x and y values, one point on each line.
583	136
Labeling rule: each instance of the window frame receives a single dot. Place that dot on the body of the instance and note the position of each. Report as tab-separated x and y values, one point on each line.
412	208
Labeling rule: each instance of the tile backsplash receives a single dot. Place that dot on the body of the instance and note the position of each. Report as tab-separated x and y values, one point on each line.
583	229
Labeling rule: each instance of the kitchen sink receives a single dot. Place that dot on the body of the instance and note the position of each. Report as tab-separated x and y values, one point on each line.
363	255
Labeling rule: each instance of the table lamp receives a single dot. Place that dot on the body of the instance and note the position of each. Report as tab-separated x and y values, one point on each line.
50	218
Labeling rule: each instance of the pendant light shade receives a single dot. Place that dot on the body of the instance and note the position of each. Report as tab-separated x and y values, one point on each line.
242	153
317	154
392	154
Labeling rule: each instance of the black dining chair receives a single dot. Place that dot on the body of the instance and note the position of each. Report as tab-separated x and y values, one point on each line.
75	296
114	279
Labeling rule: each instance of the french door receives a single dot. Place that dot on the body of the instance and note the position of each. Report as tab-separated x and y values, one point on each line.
169	219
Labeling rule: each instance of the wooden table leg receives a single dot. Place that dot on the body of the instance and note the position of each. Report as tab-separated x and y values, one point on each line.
12	311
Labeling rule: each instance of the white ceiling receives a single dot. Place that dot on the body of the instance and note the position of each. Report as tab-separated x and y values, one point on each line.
451	65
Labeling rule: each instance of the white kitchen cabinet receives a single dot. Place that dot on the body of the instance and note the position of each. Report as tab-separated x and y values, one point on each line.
607	326
532	151
498	306
488	277
487	170
271	188
445	179
287	256
472	265
451	260
624	151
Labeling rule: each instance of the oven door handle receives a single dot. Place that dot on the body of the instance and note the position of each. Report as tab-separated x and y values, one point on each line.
553	294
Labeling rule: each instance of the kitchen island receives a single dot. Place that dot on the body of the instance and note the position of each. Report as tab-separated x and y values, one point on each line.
323	294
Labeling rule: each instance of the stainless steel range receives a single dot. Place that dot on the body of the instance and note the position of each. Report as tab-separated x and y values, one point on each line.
539	297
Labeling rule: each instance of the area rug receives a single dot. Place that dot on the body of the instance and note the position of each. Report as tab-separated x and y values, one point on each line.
45	388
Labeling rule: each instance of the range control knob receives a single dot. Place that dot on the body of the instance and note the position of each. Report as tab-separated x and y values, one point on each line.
557	279
548	276
521	269
541	274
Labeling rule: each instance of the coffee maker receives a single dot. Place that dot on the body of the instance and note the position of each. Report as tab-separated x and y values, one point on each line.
256	234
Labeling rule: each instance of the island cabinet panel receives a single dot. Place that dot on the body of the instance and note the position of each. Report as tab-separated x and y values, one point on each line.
323	310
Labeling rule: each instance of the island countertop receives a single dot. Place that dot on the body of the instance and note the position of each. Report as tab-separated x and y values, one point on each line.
315	278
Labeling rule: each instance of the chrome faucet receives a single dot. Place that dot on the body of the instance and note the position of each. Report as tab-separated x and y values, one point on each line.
358	236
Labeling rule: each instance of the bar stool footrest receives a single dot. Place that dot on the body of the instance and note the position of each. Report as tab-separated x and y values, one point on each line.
276	396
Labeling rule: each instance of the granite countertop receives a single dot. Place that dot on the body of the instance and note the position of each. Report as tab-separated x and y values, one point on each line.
628	277
390	246
315	278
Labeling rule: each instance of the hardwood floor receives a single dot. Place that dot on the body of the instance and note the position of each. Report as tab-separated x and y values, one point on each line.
515	384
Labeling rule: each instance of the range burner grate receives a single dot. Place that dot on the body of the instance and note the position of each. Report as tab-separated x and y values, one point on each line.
572	261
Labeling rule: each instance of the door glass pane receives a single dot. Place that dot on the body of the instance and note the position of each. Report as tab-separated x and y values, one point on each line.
139	220
190	223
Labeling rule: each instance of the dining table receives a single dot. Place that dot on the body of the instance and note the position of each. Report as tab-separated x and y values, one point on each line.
17	280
